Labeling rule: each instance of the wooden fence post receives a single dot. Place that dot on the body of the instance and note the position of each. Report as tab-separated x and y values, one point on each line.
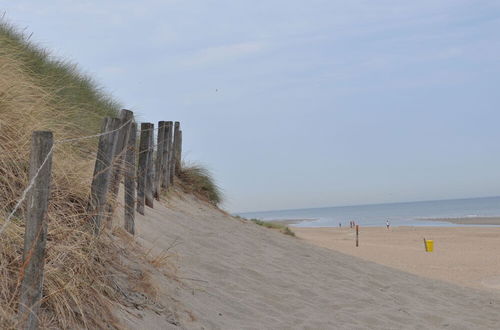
126	117
179	153
159	164
167	145
177	139
130	180
357	235
102	171
173	162
146	131
148	191
35	236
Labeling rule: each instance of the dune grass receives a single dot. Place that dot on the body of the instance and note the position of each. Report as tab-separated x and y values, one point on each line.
65	88
274	225
38	92
197	180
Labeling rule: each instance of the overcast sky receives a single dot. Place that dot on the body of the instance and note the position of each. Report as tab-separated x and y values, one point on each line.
295	104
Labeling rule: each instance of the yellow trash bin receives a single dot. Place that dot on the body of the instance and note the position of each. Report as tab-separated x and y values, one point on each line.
429	245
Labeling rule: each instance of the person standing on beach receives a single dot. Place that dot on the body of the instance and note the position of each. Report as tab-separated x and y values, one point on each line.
387	223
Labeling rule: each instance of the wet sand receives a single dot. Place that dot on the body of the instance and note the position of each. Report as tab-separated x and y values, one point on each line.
287	222
470	220
467	256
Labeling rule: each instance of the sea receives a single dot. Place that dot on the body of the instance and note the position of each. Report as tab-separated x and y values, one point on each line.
399	214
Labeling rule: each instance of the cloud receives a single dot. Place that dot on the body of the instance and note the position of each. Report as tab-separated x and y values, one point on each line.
328	70
222	53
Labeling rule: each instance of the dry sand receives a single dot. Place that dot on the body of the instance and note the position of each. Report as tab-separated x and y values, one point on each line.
233	274
467	256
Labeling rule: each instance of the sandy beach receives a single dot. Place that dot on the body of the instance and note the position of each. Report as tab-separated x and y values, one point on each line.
467	256
233	274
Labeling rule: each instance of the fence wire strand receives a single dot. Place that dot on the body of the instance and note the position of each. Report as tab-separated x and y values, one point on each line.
32	181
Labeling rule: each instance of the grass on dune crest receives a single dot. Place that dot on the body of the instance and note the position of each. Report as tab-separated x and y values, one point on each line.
196	179
38	92
81	99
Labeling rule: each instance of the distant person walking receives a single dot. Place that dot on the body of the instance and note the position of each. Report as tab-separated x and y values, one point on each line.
387	223
340	224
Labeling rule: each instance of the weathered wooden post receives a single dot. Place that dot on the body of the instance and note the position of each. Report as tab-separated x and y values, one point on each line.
177	138
130	180
126	117
159	164
102	171
35	236
173	162
357	235
179	153
148	191
167	143
146	131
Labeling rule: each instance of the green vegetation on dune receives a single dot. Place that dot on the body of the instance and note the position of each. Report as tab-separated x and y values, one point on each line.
274	225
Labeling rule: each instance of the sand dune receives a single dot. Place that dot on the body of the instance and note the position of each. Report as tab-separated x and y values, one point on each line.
234	274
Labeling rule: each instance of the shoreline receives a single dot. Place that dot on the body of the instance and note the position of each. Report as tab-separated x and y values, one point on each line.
468	220
479	221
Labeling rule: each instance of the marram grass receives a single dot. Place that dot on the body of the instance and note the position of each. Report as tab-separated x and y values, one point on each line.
197	180
38	92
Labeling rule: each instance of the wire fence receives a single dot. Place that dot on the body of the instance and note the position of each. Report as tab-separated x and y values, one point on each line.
37	173
145	175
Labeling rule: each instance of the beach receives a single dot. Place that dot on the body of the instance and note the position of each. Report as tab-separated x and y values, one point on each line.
467	256
229	273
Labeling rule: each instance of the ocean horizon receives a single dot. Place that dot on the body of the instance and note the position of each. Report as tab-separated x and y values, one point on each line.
399	214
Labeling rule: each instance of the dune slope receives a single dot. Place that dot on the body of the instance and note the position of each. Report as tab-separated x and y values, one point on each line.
233	274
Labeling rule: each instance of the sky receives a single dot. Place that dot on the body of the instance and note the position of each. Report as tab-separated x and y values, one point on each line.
301	104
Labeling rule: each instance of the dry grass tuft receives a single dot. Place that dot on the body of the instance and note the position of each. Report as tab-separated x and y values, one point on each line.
39	93
197	180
